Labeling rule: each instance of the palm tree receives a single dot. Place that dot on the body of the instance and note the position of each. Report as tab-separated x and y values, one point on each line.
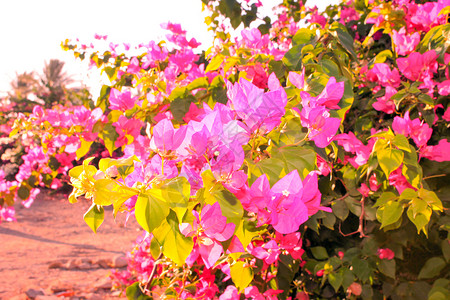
53	75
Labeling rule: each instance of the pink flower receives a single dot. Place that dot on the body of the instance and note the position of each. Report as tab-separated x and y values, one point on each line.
404	43
440	152
364	190
418	130
385	253
133	67
128	130
382	74
385	103
446	115
322	128
320	273
419	67
209	228
165	137
121	100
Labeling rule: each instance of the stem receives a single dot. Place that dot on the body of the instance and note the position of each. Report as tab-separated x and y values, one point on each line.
434	176
152	274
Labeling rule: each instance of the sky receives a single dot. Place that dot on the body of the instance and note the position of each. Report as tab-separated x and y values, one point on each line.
31	31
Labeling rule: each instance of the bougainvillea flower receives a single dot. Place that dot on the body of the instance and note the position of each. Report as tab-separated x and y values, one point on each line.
419	67
121	100
404	43
288	211
166	137
385	103
128	130
439	152
419	131
298	80
209	228
382	74
385	253
331	94
258	110
322	128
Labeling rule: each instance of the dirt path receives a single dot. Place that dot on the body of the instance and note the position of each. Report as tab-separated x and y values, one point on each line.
52	253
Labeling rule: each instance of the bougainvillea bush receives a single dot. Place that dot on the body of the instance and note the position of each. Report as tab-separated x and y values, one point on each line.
306	158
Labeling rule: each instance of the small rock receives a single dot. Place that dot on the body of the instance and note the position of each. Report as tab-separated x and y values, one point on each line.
92	296
104	263
85	266
61	287
71	264
47	297
56	265
32	293
103	284
120	261
19	297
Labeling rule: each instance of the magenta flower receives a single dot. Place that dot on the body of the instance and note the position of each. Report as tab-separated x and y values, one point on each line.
165	137
419	131
128	130
258	110
322	128
382	74
121	100
287	209
209	228
439	152
404	43
385	253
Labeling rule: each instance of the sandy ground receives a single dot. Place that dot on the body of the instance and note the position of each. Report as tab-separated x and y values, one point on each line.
50	253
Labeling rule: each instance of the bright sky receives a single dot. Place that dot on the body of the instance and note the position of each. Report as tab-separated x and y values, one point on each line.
31	31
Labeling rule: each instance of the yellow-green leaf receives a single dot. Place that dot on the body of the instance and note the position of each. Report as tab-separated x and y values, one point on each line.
241	276
94	217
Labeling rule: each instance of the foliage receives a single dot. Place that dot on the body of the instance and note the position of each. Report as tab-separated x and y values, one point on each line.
309	161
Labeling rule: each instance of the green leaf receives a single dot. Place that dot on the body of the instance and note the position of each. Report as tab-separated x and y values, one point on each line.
125	166
176	192
319	253
150	211
345	39
445	246
84	149
23	192
287	268
241	276
431	198
293	58
134	292
401	142
180	107
336	279
421	220
411	168
361	269
382	56
387	267
408	194
432	268
94	217
215	63
340	209
247	231
385	198
109	136
107	192
389	160
392	212
230	206
304	36
296	158
176	246
198	83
